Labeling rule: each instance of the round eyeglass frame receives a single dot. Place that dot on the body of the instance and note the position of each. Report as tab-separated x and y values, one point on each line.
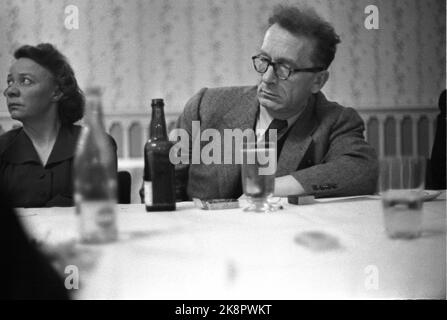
275	64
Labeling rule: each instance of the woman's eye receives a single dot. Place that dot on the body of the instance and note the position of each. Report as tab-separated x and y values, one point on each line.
9	82
26	81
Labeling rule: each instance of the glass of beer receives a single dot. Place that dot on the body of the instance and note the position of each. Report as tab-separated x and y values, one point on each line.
258	175
401	185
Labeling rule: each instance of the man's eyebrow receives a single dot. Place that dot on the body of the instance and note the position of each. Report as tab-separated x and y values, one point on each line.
263	53
288	61
280	60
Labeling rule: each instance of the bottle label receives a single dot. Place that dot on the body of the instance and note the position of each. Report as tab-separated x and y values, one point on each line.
97	221
148	196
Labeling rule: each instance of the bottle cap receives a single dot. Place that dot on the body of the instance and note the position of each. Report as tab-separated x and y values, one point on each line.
157	101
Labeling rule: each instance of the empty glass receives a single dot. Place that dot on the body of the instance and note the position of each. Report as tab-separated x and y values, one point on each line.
258	175
401	185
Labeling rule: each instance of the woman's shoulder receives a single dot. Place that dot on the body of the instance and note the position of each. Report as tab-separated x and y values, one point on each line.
8	137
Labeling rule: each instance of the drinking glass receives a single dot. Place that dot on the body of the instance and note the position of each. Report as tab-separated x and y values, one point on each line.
401	184
258	175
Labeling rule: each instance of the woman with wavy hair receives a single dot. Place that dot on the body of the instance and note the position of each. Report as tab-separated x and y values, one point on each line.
36	159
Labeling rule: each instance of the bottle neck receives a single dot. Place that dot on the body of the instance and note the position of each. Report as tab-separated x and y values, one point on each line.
93	113
158	124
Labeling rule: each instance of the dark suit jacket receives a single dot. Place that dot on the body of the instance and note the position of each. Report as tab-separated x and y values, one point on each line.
325	149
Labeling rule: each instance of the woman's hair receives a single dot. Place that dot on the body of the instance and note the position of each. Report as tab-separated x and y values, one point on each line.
71	104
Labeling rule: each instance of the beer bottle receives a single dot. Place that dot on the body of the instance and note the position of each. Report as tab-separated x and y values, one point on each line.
95	176
159	175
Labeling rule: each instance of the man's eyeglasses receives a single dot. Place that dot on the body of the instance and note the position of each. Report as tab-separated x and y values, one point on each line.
282	71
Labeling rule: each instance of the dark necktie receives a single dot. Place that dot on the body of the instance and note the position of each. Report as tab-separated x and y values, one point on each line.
279	125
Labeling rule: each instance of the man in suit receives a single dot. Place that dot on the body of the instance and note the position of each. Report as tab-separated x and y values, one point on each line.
321	148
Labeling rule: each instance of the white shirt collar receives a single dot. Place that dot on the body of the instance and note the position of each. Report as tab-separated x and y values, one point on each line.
264	119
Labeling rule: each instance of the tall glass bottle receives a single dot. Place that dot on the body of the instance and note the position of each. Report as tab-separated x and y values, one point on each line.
159	179
95	176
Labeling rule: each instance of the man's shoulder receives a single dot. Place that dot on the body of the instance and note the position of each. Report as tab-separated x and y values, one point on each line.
214	103
326	109
8	137
234	90
226	95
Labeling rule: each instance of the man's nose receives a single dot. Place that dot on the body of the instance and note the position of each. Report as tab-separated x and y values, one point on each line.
269	75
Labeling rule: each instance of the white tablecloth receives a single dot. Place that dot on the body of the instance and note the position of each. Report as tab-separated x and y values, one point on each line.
230	254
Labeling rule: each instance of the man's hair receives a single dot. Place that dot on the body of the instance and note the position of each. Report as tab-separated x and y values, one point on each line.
306	22
71	105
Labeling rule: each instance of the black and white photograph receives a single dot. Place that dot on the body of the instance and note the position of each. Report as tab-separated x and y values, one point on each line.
223	155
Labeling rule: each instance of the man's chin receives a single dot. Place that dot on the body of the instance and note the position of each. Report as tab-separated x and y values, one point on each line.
269	104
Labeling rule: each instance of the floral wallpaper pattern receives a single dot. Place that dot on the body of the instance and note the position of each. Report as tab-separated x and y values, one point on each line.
143	49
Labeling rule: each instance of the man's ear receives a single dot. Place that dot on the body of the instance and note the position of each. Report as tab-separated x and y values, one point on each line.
319	81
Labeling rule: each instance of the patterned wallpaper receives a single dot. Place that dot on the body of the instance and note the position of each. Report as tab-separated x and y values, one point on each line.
142	49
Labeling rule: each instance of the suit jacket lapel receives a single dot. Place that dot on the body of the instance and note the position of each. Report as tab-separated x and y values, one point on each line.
242	116
298	141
